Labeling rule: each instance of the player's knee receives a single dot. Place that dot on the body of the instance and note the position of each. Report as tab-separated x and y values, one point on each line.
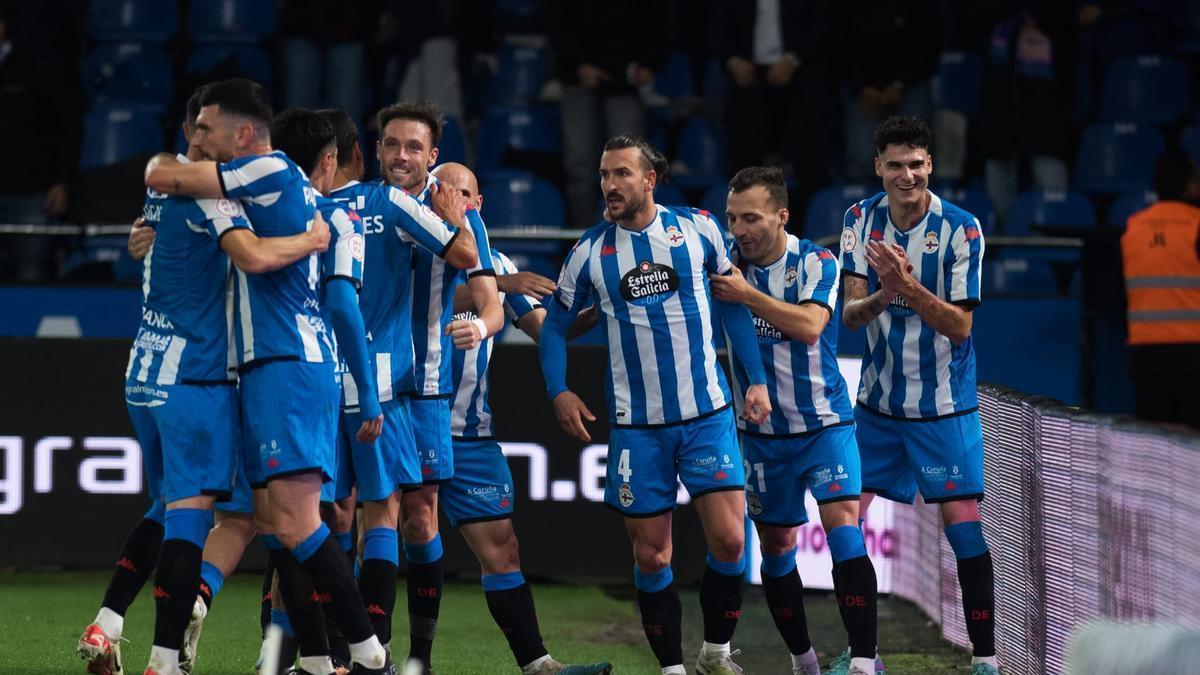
419	526
651	558
959	511
727	547
776	540
240	525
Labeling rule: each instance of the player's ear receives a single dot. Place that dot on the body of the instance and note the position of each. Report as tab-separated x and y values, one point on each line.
433	155
783	217
878	166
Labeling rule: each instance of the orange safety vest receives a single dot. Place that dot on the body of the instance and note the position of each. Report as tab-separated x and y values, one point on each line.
1162	274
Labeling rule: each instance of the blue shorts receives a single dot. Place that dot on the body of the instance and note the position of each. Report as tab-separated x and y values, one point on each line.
779	469
241	501
431	428
343	467
289	418
482	486
388	464
189	436
645	466
943	458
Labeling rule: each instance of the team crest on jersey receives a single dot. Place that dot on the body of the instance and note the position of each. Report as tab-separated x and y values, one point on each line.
649	283
789	277
355	245
674	236
931	244
753	504
228	208
625	495
849	239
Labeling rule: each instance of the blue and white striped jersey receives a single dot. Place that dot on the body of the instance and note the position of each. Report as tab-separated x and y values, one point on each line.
470	413
433	303
909	370
342	260
278	314
652	290
807	390
393	222
184	333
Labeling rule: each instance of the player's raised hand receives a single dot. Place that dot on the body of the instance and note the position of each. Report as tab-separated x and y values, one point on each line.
758	403
731	287
891	265
466	334
449	204
571	412
525	283
141	238
319	233
370	430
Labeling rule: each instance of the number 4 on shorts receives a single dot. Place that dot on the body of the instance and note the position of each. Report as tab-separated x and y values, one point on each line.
623	468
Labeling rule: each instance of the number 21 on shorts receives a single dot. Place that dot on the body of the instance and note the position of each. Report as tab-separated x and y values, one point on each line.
757	469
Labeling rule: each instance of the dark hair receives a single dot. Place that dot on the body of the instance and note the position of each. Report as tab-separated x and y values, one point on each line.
909	131
427	113
303	136
239	96
769	177
1172	171
652	158
345	131
193	105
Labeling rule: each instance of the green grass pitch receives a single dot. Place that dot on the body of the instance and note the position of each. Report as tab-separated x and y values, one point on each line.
42	615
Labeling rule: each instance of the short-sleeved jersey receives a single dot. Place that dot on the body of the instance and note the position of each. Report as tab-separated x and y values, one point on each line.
910	370
392	223
470	413
652	290
184	333
807	390
278	314
433	303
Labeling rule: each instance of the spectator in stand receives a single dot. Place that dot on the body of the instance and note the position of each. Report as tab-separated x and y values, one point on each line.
425	42
889	51
778	55
39	129
605	53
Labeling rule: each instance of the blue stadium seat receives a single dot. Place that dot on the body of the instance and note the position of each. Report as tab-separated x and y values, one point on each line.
231	21
132	20
520	199
129	73
1189	140
716	84
1151	89
521	128
701	159
1116	157
1017	272
974	201
713	201
453	146
113	133
958	84
231	61
517	10
1128	204
826	212
520	75
1047	208
674	80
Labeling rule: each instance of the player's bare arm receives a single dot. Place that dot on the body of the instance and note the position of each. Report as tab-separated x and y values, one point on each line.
571	412
468	334
860	308
141	238
166	174
894	271
799	322
451	206
256	255
525	283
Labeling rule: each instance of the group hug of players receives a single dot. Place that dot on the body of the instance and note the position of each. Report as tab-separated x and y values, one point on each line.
310	343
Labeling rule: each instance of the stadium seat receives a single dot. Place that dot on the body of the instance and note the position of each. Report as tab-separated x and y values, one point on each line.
713	201
1018	271
132	20
1152	89
1189	140
520	199
231	21
516	11
958	83
129	73
716	84
674	80
700	159
1034	208
826	212
113	133
102	258
1128	204
974	201
508	129
522	71
1116	157
453	146
223	61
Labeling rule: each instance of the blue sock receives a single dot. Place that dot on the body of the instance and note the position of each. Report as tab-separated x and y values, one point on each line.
652	582
778	565
732	569
211	577
279	617
966	539
424	554
187	524
502	582
845	543
309	546
382	543
345	540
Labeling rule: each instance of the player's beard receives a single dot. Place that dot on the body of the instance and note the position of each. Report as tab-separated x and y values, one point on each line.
628	208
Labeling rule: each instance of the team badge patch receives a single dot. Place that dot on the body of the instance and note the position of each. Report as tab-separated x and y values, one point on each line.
789	277
674	236
931	244
753	504
849	239
229	208
355	245
625	495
